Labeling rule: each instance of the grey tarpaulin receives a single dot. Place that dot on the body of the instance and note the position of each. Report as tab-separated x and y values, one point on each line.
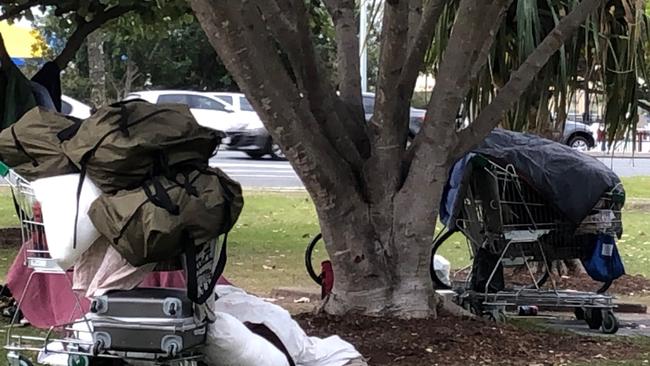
572	181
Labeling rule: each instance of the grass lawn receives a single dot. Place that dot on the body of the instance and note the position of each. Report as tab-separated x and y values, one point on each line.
637	187
266	248
7	212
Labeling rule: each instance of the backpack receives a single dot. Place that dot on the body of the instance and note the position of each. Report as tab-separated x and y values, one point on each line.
126	143
168	217
31	147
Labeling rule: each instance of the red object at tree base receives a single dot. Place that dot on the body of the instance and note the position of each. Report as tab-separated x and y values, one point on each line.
327	278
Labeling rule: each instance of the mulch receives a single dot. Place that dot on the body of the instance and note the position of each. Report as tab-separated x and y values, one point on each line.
451	341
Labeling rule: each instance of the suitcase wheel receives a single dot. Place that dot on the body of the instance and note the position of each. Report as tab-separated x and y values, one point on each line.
172	345
102	341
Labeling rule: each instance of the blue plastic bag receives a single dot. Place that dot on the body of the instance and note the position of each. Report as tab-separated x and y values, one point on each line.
605	263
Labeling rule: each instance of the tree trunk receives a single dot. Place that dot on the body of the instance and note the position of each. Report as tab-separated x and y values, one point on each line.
97	67
381	257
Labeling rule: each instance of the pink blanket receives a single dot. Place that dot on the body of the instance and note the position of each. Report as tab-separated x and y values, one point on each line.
49	299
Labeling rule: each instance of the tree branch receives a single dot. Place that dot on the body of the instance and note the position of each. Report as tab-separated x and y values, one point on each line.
521	79
288	22
422	38
471	38
241	39
347	54
388	134
415	18
84	29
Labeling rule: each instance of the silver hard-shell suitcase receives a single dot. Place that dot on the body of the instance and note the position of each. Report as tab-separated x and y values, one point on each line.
146	320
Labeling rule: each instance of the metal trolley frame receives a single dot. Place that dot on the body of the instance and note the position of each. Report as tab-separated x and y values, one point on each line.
76	337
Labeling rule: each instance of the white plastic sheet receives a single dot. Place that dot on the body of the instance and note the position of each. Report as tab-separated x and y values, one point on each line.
230	343
58	199
304	350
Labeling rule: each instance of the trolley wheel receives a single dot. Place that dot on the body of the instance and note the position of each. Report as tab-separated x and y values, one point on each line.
308	259
22	361
437	242
594	318
497	316
579	313
610	323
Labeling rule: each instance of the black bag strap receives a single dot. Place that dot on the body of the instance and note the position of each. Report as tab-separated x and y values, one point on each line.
70	131
160	197
190	255
80	185
21	148
192	271
265	332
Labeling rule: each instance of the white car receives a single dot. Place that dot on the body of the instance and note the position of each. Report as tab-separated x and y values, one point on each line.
237	100
243	109
74	108
208	111
253	138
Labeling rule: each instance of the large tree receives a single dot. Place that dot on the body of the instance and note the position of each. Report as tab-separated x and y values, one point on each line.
376	199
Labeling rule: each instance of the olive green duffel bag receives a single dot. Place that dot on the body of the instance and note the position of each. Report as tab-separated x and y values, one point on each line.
126	143
31	146
154	222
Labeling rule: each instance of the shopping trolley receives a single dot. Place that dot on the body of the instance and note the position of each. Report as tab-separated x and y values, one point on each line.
507	223
76	338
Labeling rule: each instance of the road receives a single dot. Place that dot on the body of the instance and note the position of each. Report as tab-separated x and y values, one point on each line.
263	173
267	173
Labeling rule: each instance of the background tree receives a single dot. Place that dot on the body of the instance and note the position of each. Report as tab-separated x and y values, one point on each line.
606	58
157	45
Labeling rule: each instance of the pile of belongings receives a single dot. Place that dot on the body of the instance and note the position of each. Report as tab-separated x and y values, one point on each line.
127	191
587	194
248	331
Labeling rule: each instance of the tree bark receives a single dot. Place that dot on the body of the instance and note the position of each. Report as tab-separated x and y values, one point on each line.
97	68
347	54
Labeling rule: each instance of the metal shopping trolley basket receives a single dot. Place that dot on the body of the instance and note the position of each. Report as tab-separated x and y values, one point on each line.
103	333
509	223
